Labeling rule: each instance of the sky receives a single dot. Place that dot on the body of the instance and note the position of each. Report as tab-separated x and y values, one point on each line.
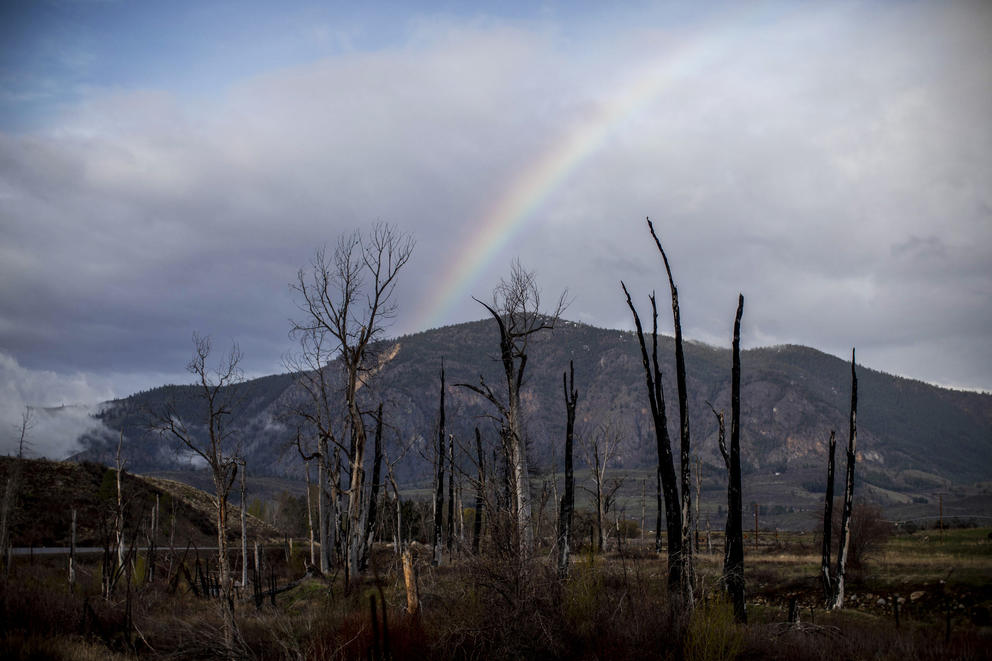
167	168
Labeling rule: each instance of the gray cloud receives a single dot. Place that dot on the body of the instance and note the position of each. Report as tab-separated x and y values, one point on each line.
832	164
59	407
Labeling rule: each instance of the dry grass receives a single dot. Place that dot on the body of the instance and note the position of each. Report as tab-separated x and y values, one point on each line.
613	606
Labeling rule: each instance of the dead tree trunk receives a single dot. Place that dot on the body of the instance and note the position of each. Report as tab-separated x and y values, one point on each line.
450	528
845	522
598	494
373	511
306	474
399	508
72	553
6	516
324	510
828	516
119	514
480	491
733	555
439	495
699	488
734	552
244	523
658	521
568	499
644	492
666	466
686	574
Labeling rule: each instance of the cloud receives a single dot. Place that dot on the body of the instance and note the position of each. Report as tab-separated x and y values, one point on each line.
60	409
832	164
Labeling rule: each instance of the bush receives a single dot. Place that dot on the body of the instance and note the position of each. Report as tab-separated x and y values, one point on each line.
869	532
712	632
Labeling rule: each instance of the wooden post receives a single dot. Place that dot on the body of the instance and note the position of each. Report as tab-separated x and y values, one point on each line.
410	579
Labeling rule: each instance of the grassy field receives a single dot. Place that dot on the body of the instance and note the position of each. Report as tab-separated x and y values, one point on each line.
613	606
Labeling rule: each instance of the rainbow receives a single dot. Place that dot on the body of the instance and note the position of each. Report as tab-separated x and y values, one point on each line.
527	192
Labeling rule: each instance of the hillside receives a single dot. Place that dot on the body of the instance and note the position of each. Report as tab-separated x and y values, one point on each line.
912	436
50	490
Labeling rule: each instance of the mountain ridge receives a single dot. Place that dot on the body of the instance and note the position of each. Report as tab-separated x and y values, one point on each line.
792	396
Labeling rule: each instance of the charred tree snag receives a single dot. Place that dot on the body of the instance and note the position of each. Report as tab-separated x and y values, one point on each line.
449	541
733	557
686	574
568	499
480	491
373	511
660	504
828	517
666	466
845	521
313	555
439	493
244	524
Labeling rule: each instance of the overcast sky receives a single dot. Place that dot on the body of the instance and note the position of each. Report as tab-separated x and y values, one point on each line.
167	167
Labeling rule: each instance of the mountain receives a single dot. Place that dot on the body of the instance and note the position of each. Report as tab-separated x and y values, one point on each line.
912	436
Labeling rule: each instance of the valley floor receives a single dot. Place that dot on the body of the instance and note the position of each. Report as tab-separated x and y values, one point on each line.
613	606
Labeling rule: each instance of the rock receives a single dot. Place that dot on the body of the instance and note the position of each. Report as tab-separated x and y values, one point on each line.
917	595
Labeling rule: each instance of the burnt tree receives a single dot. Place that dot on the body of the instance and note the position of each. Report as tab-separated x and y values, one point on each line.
567	507
439	479
686	574
450	527
666	467
480	491
845	521
733	558
828	517
373	511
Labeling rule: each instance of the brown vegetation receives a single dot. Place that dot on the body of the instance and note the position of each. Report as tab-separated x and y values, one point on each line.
493	606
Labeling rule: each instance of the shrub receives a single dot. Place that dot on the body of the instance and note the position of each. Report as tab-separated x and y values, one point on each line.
712	632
